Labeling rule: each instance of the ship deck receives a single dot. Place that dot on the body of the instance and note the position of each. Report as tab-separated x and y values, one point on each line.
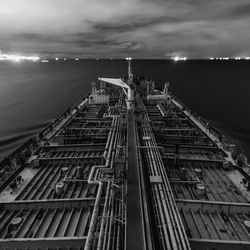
99	177
52	203
212	199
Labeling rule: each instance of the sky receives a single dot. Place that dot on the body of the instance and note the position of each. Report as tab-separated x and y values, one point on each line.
121	28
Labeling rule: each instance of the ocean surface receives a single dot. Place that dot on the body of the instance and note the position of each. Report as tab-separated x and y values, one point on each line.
33	94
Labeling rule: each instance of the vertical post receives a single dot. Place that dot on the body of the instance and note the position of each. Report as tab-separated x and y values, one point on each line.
93	85
165	90
131	98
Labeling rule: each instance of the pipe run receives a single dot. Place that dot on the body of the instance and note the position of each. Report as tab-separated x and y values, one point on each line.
93	180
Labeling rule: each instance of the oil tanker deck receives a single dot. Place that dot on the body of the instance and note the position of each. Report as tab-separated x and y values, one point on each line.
130	167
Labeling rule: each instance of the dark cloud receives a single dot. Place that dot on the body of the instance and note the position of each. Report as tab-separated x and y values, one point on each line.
134	23
240	11
116	28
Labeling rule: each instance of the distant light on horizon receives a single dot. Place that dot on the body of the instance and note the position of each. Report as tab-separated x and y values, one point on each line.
44	60
18	58
178	58
237	58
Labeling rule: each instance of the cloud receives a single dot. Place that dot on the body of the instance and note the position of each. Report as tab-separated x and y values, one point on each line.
117	28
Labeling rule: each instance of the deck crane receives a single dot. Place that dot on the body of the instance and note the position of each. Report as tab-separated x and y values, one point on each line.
128	86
